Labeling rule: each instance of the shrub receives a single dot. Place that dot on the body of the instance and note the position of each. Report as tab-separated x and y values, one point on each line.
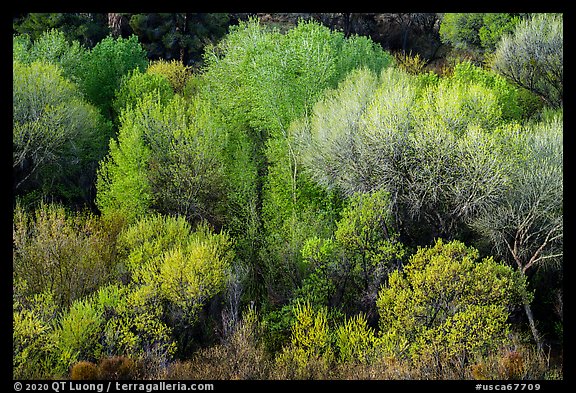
241	356
84	370
70	253
447	307
117	368
33	344
78	334
310	353
177	74
413	65
515	362
355	340
172	272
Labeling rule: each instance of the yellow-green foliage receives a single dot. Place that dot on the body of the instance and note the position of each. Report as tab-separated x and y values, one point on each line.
32	337
197	270
169	260
136	85
71	254
355	340
310	330
454	105
79	331
172	270
447	306
310	351
177	73
411	64
136	328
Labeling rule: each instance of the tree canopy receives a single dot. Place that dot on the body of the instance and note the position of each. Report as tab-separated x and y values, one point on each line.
207	196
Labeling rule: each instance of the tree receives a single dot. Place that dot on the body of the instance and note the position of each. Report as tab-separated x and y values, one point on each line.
516	103
51	46
137	84
69	255
178	36
461	29
532	57
122	184
86	28
369	245
447	306
104	66
172	154
477	31
428	146
409	30
262	80
57	136
161	155
526	226
346	271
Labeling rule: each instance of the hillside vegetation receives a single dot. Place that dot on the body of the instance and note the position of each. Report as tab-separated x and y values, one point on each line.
208	196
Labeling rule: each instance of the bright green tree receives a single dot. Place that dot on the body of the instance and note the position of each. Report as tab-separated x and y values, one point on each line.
516	103
136	85
369	246
477	31
186	166
53	47
122	183
104	66
276	79
168	158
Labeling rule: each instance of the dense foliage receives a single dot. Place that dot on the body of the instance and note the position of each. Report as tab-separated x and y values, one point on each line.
477	30
301	204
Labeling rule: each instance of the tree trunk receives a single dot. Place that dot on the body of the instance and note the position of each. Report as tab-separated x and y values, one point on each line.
115	24
535	333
